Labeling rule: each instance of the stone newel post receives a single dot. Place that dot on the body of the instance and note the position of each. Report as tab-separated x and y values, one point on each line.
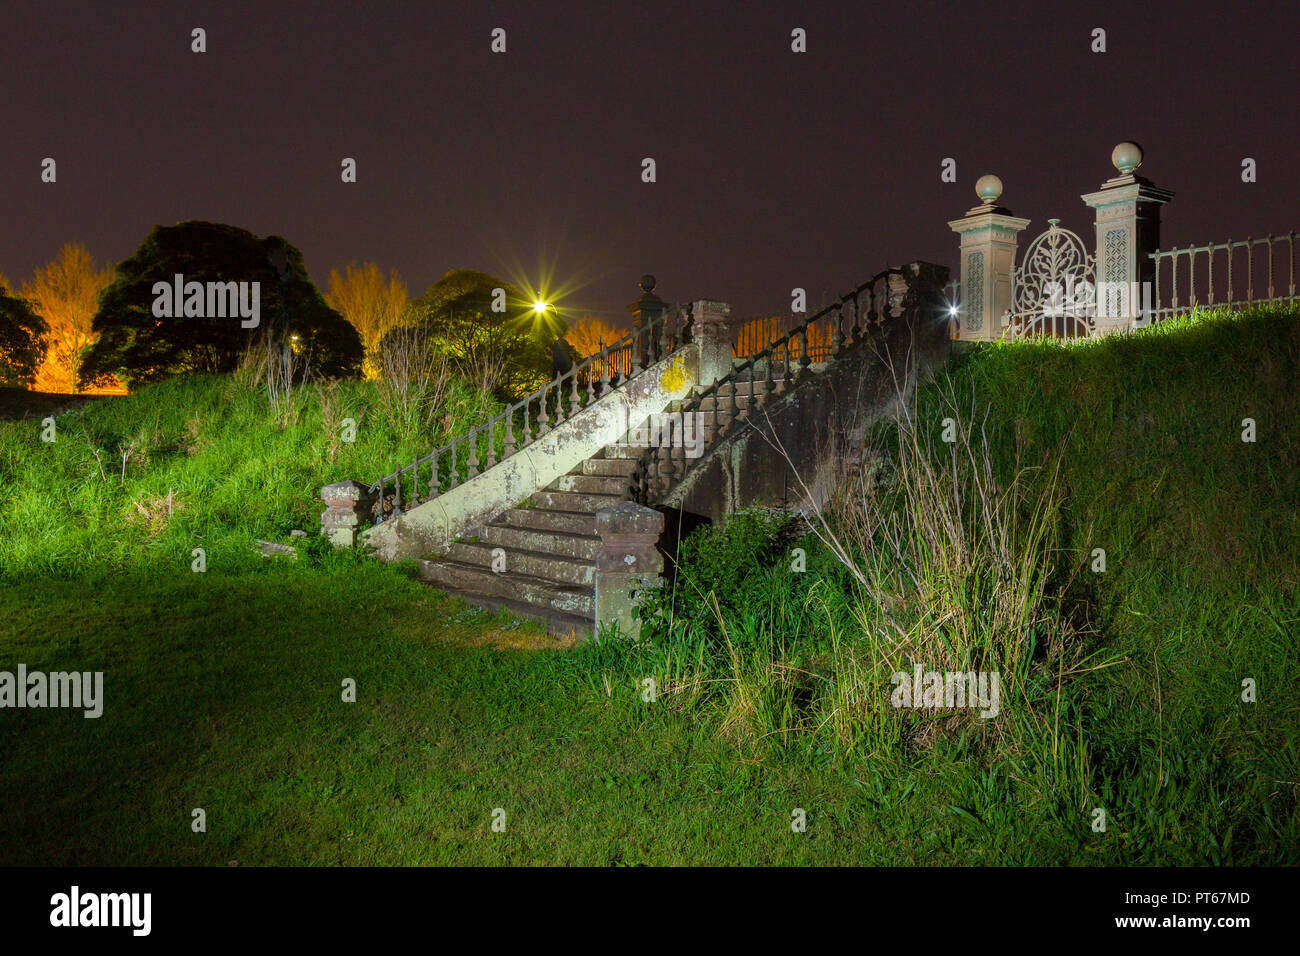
919	286
348	504
711	328
645	310
627	559
1128	230
988	251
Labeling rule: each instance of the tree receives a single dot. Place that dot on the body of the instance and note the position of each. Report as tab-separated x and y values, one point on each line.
66	294
590	334
143	338
23	339
489	330
372	303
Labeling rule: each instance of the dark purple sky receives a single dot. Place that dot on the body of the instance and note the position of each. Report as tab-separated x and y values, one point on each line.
775	170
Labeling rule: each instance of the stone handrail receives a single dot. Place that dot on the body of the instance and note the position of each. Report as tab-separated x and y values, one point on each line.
660	467
466	456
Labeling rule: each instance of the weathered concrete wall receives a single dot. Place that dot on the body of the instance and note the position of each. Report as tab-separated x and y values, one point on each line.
823	416
466	508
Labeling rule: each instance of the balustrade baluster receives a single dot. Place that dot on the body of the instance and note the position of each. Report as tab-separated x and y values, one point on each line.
650	462
1229	272
1250	270
726	395
837	337
558	386
1173	262
433	477
542	417
454	479
1290	241
804	359
1270	267
665	455
472	462
574	405
1157	302
508	445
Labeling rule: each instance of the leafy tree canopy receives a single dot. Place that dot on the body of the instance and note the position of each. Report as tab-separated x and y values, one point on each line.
486	324
23	338
139	346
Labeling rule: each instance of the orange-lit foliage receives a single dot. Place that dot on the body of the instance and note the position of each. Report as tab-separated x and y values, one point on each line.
589	335
372	302
66	294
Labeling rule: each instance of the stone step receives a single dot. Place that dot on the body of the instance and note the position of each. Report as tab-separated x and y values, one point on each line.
591	484
622	453
545	519
608	466
738	401
576	572
559	543
574	501
740	388
465	580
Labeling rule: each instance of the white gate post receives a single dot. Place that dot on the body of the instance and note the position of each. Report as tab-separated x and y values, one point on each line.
1128	230
988	252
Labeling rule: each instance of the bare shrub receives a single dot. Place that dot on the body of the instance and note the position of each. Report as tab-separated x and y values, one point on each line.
414	379
331	413
271	362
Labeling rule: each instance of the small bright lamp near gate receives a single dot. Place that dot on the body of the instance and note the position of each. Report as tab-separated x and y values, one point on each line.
539	306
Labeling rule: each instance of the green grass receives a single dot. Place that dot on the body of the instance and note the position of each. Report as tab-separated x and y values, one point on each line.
223	689
235	468
225	693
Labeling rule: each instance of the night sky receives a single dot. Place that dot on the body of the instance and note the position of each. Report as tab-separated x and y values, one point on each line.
775	169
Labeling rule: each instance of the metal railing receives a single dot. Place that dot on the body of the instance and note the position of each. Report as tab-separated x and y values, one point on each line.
770	371
522	423
1227	273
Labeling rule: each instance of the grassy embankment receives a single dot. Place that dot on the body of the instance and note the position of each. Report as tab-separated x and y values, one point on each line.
1121	689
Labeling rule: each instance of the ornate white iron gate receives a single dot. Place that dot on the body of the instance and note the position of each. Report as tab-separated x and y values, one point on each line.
1053	290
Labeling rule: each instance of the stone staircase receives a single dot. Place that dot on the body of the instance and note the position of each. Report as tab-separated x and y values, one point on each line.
506	515
549	542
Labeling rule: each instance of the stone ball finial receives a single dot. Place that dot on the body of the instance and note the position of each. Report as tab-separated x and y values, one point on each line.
1126	157
648	283
988	187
